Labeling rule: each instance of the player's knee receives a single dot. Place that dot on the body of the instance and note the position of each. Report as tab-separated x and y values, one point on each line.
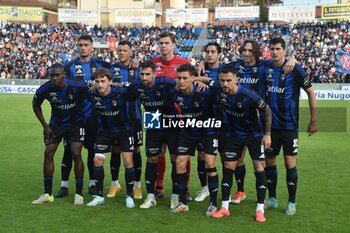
209	164
270	161
289	161
48	154
181	162
99	159
259	166
240	161
230	164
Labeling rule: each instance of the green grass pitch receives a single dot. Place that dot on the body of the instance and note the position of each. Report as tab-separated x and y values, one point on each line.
322	198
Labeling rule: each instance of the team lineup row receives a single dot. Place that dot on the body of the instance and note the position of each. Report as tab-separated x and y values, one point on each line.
255	100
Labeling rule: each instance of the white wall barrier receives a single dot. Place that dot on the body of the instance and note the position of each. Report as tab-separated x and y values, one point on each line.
18	89
328	95
320	94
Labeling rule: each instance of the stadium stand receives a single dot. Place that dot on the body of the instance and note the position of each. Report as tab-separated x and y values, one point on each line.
28	49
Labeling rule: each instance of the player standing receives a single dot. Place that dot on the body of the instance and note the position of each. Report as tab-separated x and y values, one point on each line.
81	68
66	99
283	91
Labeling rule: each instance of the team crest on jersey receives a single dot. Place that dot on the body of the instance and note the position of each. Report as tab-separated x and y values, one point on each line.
70	97
78	70
255	70
283	77
239	105
114	103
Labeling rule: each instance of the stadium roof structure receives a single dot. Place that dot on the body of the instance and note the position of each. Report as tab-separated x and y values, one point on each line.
29	3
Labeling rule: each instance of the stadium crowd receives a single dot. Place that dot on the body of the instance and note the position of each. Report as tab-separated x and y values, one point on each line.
27	50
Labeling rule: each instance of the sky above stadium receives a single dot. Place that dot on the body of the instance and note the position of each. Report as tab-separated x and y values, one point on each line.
309	2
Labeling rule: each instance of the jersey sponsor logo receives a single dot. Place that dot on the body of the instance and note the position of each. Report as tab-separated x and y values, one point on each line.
109	113
276	89
152	103
262	187
175	68
52	94
152	120
101	146
70	96
255	70
66	106
234	113
248	80
158	69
